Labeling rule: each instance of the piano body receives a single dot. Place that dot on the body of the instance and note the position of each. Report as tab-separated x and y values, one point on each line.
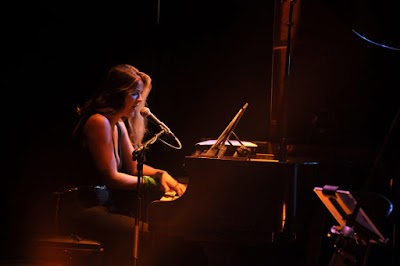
236	200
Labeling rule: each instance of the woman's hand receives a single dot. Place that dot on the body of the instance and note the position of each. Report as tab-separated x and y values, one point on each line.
168	183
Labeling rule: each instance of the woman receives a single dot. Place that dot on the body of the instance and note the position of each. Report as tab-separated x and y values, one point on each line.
108	131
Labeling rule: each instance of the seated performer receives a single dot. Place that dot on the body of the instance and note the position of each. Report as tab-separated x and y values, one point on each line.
109	129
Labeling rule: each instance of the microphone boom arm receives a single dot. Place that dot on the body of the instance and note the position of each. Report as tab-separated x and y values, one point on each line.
138	151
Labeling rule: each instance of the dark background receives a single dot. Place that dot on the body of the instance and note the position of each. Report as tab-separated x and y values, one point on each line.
206	58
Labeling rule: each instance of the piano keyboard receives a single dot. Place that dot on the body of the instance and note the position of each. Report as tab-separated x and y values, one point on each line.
170	195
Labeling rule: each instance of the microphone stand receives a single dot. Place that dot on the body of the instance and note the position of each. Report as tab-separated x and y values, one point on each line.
138	155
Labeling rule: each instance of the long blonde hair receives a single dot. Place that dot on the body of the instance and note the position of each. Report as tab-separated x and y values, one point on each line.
110	99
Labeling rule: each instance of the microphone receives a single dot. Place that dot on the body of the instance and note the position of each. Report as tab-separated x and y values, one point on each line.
145	112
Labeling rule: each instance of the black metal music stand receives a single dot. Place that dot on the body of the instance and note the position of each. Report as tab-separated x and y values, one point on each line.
354	225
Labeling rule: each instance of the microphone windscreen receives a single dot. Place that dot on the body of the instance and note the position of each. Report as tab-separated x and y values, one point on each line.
144	111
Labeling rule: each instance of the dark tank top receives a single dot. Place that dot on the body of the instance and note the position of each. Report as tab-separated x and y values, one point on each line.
90	188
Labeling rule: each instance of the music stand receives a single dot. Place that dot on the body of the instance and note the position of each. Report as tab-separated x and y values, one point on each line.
354	223
217	148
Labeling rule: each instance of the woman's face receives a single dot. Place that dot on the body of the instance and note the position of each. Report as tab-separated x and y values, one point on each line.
133	99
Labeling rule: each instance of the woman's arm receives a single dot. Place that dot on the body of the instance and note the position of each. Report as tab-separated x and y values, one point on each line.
99	141
166	181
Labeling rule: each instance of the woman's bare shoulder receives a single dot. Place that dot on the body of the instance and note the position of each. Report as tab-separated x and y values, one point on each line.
97	121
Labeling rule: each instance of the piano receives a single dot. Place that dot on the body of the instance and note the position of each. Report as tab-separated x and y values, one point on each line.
237	195
229	200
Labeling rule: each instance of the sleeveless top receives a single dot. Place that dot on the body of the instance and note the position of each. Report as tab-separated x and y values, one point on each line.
86	179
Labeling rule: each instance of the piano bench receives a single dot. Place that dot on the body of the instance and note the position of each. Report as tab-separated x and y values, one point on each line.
67	250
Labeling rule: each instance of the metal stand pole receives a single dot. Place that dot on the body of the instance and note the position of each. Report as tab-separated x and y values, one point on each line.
139	155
